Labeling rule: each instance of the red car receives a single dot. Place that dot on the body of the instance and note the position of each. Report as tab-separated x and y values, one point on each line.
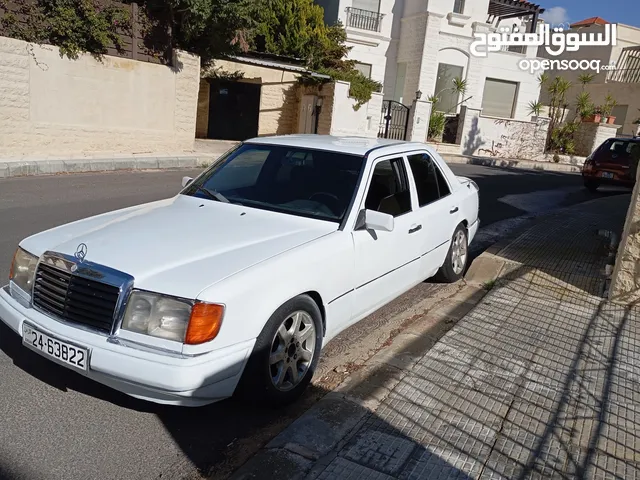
615	162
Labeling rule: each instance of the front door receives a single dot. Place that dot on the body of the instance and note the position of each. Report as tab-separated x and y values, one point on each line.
387	263
234	110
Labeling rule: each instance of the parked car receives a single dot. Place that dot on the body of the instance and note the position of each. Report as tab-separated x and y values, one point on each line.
615	162
237	282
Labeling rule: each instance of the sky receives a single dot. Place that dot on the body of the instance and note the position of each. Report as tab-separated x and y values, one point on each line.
615	11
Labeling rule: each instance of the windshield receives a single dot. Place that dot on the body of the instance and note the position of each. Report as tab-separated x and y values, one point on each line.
305	182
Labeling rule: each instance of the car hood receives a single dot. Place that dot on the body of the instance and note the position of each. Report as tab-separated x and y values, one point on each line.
181	245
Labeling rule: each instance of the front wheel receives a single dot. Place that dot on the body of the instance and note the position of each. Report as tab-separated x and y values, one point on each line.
285	354
456	262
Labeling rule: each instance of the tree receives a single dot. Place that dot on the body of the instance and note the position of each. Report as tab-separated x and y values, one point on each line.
296	28
209	28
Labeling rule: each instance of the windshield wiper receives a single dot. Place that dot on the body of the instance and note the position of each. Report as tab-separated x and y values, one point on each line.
212	194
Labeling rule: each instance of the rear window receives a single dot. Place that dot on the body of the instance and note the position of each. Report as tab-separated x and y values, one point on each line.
620	150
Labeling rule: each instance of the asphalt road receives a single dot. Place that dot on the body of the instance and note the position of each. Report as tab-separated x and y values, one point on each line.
57	424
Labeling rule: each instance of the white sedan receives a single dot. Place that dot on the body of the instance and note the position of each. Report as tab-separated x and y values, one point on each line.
236	283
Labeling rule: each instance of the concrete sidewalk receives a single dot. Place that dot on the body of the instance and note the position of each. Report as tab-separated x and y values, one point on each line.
540	380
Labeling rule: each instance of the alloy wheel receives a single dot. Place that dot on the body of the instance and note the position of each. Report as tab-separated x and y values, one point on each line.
292	350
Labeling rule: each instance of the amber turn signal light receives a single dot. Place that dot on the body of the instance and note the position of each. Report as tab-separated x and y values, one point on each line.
204	323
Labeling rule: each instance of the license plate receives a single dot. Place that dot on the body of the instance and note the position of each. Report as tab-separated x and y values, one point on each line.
64	352
606	175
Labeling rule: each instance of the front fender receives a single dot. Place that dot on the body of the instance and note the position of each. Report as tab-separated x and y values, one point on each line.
325	265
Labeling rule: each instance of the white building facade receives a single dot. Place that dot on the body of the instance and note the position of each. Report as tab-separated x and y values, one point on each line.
417	47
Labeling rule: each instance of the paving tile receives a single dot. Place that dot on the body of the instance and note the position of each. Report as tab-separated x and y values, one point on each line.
343	469
379	450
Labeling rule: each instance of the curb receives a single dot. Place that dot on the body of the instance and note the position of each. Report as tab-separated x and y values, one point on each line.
22	168
513	164
85	165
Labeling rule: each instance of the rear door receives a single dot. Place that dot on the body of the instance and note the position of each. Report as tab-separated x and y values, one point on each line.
438	210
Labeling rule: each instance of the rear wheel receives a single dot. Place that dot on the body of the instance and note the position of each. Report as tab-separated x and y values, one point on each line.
591	185
285	354
457	257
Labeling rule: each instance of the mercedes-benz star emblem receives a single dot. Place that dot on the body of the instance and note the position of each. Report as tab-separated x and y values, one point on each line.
81	252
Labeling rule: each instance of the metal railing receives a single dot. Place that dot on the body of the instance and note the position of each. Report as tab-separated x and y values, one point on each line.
364	19
624	75
627	67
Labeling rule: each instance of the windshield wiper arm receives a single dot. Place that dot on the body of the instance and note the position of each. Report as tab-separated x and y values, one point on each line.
212	194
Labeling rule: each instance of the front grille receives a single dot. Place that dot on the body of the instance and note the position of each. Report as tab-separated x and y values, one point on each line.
75	299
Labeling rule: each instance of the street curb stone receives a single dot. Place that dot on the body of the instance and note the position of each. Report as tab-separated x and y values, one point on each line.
511	164
87	165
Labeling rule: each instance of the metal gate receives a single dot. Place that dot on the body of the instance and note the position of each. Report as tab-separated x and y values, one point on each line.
394	120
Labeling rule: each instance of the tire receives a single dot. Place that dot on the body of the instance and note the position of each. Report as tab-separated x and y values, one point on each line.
452	270
276	384
591	185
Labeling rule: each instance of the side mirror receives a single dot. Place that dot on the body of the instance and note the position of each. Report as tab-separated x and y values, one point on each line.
186	181
372	220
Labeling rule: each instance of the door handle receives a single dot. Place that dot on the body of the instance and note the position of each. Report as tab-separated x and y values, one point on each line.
453	210
415	229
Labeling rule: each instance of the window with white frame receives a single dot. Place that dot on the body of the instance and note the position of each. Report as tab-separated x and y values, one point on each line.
458	6
363	68
499	98
369	5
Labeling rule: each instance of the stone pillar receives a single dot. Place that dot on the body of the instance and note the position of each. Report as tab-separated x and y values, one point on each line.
187	69
625	281
374	114
429	61
202	117
475	71
591	135
419	121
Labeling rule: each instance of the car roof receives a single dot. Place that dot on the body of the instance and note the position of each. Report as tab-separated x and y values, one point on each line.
345	144
625	139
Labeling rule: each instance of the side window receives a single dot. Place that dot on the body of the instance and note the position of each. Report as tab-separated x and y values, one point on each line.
389	189
430	183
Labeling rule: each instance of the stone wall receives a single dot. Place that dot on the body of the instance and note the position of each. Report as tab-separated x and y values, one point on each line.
501	138
55	106
625	281
591	135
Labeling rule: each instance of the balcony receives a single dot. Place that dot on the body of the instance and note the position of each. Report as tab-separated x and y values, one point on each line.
364	19
627	67
624	75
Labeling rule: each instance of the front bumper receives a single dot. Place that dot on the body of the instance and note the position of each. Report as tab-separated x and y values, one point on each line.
157	377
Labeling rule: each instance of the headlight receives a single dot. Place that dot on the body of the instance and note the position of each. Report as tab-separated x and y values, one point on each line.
21	274
172	318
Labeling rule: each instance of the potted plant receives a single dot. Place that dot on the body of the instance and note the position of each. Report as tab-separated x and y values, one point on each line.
595	116
607	108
